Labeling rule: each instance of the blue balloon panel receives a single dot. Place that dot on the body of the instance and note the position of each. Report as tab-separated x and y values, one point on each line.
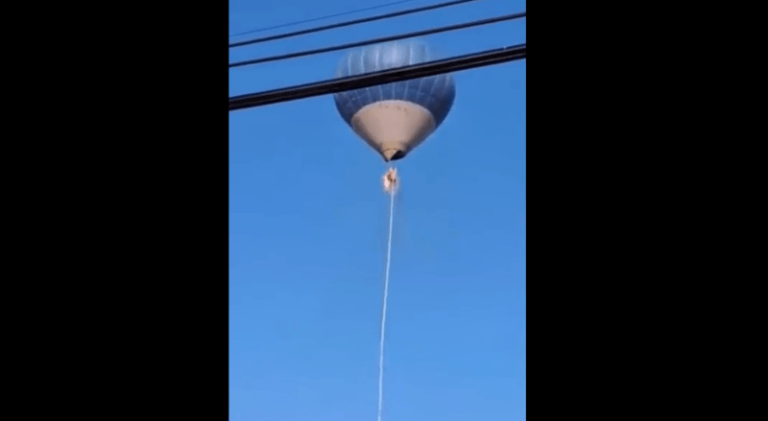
435	93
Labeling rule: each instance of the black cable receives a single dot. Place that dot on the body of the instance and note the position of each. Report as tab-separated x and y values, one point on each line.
453	64
380	40
349	23
335	15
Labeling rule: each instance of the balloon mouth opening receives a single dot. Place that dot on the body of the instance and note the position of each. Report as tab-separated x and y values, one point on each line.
389	155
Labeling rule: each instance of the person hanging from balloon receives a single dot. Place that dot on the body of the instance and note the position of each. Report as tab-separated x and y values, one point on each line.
390	181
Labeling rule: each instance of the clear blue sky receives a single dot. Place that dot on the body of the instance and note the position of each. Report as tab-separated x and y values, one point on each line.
308	225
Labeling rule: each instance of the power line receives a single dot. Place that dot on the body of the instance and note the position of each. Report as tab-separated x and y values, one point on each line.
349	23
379	40
351	12
453	64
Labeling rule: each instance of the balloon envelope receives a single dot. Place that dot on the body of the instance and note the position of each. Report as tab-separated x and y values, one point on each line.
394	118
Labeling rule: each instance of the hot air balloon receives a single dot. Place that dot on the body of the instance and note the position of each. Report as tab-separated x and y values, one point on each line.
394	118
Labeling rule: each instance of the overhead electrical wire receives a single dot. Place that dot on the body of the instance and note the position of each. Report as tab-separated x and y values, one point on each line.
335	15
380	40
350	23
453	64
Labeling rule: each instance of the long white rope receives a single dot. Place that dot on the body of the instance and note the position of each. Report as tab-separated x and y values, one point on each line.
384	305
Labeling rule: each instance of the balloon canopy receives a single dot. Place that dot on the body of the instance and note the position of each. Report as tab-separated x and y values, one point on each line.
394	118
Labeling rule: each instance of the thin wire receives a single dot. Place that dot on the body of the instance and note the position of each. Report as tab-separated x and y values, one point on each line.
285	25
384	306
332	86
349	23
371	41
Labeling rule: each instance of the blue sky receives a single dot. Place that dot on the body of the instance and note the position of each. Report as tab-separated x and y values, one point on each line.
308	226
